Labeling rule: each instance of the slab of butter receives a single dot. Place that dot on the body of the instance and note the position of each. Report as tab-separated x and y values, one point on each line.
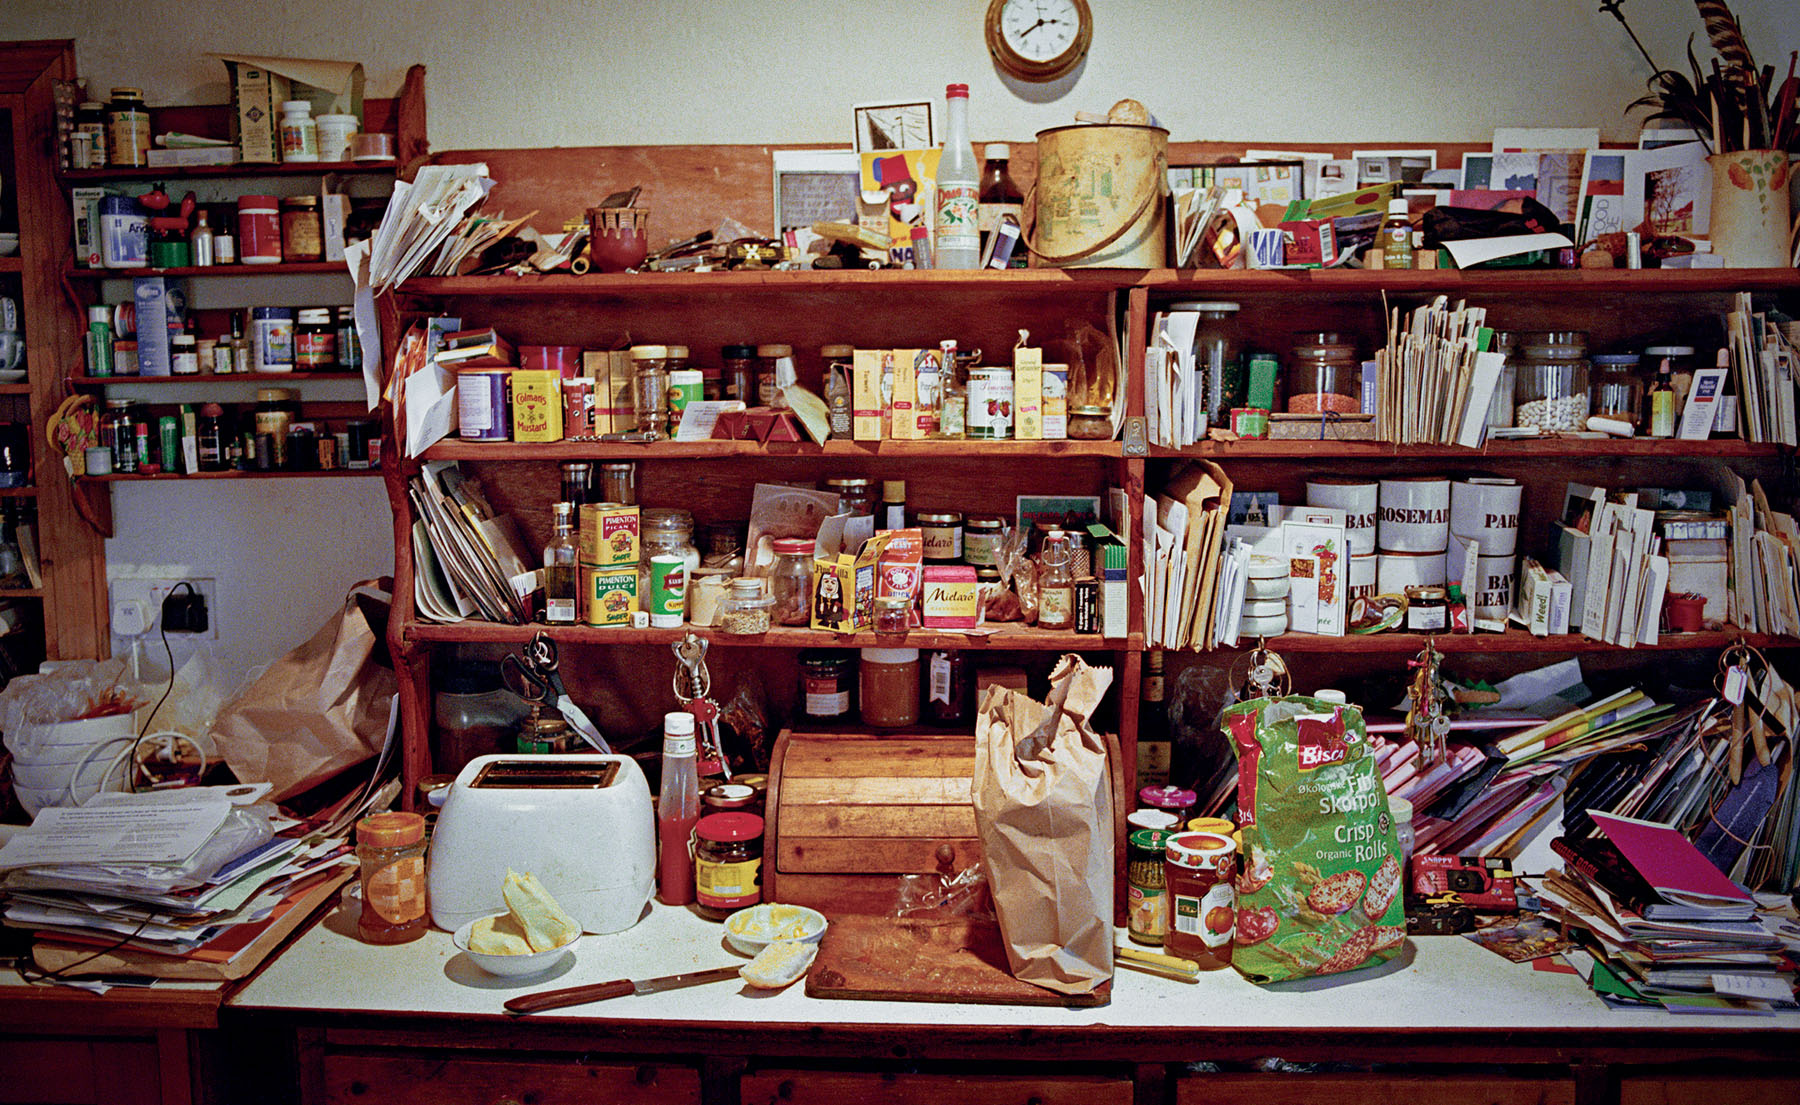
779	964
502	935
545	924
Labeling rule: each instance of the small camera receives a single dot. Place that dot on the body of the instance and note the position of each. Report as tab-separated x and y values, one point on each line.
1485	884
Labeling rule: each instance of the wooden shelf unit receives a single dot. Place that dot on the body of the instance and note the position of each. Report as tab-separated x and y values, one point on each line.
285	268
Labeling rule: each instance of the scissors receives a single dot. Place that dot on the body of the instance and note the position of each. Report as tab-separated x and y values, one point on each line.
532	675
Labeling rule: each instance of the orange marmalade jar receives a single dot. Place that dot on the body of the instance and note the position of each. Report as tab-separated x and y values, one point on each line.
1197	874
391	850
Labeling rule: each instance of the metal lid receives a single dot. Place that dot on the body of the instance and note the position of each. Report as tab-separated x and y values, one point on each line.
893	491
737	352
1090	412
831	351
1204	305
890	655
128	93
858	482
274	395
314	316
790	546
940	518
996	151
994	524
678	352
300	201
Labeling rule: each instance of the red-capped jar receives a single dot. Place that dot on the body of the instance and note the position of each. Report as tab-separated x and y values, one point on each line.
728	849
1197	875
259	230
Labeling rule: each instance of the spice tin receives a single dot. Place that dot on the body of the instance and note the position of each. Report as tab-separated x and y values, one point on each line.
990	403
537	407
1087	605
608	597
481	404
1147	919
1250	422
668	590
609	535
578	406
686	385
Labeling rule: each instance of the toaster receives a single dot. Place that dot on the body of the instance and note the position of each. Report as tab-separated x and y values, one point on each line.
582	823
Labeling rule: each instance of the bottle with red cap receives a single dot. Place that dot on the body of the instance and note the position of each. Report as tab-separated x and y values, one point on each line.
958	244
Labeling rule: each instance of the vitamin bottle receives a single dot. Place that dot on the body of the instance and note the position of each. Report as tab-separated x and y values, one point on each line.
1395	238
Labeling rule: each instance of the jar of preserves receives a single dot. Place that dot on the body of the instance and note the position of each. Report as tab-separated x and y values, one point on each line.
1324	375
1618	389
728	850
737	369
302	233
390	850
827	680
1551	389
942	534
1090	424
769	369
729	798
1197	872
747	610
888	687
981	541
790	580
893	615
665	530
1427	609
856	495
650	387
1147	918
315	340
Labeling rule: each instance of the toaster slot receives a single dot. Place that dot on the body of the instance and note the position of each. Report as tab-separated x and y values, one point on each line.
535	774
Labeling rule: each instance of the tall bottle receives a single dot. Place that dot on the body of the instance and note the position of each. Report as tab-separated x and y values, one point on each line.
958	244
677	808
953	406
1001	200
1660	402
1396	237
1056	584
560	607
1154	744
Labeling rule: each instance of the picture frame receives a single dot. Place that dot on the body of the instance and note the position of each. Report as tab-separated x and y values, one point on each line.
1381	166
815	186
894	125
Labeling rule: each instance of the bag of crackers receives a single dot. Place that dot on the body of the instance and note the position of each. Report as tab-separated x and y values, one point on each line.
1319	886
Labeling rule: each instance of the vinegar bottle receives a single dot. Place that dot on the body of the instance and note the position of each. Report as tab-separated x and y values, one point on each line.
958	189
677	808
560	590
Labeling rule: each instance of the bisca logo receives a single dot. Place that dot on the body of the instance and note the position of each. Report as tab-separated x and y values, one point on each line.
1320	742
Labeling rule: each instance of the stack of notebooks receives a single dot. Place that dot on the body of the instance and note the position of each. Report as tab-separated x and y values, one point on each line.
469	560
1663	926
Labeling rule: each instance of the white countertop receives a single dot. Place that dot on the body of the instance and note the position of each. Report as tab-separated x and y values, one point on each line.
1445	982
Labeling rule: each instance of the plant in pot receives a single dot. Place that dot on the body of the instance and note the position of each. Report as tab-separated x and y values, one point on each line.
1749	124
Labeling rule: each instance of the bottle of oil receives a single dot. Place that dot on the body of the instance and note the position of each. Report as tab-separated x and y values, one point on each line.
560	606
1395	238
1660	402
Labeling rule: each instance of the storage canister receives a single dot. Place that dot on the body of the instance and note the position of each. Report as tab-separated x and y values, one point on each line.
1415	515
276	410
272	339
259	230
335	133
1618	389
790	580
1551	389
127	128
888	687
482	410
1324	375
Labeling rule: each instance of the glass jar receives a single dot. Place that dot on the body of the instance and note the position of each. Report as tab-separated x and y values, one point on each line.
1324	375
213	439
856	495
893	615
790	580
769	360
888	687
722	545
1427	609
302	233
1216	359
1551	391
473	715
259	230
119	431
127	128
276	410
942	533
827	680
728	849
1500	407
618	483
747	610
390	850
737	370
1618	389
665	530
729	798
650	387
1147	919
315	340
1404	834
184	355
1090	424
981	541
1197	873
949	687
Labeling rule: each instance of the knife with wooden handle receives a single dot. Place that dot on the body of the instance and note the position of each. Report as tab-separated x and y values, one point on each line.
617	988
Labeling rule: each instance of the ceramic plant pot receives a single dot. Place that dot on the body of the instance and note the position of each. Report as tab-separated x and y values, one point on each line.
1750	209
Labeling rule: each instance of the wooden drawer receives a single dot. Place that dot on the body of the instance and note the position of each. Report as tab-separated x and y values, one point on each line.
76	1071
1371	1089
808	1087
446	1080
1709	1090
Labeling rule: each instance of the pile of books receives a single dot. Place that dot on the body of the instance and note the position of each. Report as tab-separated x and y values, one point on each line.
1661	926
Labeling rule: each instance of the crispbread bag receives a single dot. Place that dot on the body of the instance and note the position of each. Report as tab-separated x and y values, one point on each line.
1319	889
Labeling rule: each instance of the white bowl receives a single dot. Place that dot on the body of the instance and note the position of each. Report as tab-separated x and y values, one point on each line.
9	244
754	928
511	966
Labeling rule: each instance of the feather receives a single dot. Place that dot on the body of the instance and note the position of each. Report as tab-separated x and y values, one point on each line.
1727	38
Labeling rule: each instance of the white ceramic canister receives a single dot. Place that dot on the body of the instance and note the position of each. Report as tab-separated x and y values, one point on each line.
1363	577
1492	595
1273	625
1414	515
1395	572
1358	499
1486	510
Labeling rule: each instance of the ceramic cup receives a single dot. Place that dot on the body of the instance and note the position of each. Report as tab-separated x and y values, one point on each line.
12	350
1395	572
1364	573
1486	510
1414	515
1358	499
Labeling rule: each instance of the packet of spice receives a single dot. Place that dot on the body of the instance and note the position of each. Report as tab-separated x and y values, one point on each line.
1319	890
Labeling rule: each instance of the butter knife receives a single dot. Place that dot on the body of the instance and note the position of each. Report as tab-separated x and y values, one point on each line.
617	988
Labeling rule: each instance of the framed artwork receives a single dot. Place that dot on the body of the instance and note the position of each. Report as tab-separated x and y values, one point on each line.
904	125
814	186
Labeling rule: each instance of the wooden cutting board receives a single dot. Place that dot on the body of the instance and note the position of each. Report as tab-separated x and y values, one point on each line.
887	959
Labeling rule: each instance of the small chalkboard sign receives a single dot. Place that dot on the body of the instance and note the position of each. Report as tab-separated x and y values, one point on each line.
815	186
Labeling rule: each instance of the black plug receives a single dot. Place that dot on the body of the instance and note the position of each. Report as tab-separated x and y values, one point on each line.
184	613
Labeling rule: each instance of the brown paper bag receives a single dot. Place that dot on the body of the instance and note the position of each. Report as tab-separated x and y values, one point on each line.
319	709
1044	811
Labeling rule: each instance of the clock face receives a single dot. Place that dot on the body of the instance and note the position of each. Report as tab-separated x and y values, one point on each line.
1040	30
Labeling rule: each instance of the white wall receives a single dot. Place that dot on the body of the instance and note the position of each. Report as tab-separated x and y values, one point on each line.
568	72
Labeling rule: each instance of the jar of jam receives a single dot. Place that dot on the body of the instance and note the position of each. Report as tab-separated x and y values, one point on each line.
893	615
942	531
790	580
390	848
302	232
1427	609
728	849
729	798
826	682
1147	920
981	541
855	495
1197	872
889	687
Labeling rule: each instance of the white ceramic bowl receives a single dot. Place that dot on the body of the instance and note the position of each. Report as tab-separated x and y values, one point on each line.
9	244
752	929
511	966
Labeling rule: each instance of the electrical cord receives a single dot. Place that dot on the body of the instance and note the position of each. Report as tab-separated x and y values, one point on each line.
162	630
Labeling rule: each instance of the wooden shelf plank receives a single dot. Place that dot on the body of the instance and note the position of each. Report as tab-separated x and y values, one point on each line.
1499	281
12	264
208	377
677	450
15	389
166	477
286	268
175	173
1559	448
21	592
1007	636
1513	640
18	492
739	282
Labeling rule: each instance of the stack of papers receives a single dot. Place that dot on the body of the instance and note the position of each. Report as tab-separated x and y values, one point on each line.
1183	546
469	561
175	884
1763	363
1437	376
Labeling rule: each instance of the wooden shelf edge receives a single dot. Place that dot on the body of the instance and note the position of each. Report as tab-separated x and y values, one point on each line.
207	377
1007	637
295	268
675	450
170	477
14	263
1526	448
1513	640
21	592
177	173
739	281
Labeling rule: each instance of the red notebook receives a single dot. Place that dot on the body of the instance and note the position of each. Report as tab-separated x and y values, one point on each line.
1670	863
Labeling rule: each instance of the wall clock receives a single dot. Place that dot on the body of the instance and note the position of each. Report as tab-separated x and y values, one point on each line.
1038	40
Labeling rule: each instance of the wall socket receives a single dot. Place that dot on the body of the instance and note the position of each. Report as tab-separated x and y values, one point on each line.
137	606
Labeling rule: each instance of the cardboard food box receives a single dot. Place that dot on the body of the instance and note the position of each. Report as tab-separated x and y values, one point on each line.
608	596
865	394
608	535
259	85
903	420
1312	539
844	584
537	410
951	597
1028	394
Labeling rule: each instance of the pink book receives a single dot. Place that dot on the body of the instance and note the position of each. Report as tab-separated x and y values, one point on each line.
1669	862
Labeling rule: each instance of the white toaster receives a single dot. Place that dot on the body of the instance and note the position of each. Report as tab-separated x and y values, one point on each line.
582	823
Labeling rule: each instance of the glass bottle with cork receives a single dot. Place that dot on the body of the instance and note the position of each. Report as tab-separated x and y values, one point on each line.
560	605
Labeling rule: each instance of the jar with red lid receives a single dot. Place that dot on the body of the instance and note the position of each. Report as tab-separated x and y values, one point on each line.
728	849
259	230
1171	799
390	847
1198	869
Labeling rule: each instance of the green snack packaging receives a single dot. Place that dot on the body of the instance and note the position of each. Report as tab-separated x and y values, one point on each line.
1319	889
